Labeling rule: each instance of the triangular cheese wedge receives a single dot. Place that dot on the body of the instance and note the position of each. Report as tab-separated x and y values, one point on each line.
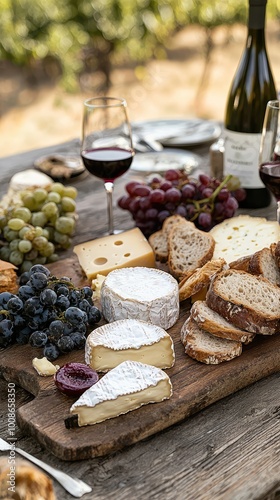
127	387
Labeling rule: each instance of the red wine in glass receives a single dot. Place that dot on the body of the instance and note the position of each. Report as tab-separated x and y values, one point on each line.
270	175
107	163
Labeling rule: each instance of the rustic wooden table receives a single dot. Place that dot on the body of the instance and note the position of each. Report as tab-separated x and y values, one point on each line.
230	450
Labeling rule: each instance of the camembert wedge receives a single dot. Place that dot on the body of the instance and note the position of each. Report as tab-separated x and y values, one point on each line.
129	339
127	387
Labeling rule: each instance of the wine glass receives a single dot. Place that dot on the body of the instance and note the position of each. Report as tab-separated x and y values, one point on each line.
106	148
269	160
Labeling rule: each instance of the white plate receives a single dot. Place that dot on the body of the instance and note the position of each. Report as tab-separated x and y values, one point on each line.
178	132
160	161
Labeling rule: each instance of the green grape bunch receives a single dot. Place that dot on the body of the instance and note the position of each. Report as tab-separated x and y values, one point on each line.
37	224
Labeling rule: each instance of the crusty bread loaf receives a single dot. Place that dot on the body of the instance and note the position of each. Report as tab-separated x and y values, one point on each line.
188	249
159	244
207	348
249	302
194	281
264	263
213	323
8	277
243	235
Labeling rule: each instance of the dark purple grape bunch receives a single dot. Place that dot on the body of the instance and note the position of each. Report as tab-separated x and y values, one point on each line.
206	201
47	312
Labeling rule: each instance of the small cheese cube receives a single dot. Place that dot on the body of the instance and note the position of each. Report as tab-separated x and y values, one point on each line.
44	367
103	255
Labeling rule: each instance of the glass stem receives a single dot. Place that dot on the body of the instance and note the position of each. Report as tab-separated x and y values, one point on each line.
278	212
109	188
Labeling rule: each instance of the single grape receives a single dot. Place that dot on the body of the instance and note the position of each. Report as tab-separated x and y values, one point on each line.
151	213
163	215
75	316
19	321
141	190
51	352
165	185
206	192
62	303
25	292
65	344
55	197
68	204
50	210
84	305
24	246
130	187
173	195
223	195
65	225
48	297
40	259
48	250
94	315
70	191
31	256
15	305
205	220
22	213
38	268
38	231
157	196
239	194
38	339
204	179
134	205
10	234
38	280
29	201
87	292
78	339
5	253
39	243
13	245
16	258
144	203
57	187
16	224
181	210
172	175
4	299
39	219
40	194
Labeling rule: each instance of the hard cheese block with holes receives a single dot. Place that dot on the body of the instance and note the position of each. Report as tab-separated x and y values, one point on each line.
127	249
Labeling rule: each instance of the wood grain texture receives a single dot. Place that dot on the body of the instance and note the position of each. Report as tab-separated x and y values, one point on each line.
195	386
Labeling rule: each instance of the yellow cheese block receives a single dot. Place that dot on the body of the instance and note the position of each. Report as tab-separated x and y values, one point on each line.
127	249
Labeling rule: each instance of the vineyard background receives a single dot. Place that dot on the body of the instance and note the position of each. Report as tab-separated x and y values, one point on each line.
175	63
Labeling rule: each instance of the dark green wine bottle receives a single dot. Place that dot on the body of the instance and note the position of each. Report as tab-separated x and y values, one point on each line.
252	87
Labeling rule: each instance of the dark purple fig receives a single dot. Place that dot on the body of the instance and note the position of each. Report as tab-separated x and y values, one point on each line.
73	379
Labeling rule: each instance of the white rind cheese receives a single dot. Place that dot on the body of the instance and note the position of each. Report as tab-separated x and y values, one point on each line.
243	235
140	293
129	339
127	387
44	367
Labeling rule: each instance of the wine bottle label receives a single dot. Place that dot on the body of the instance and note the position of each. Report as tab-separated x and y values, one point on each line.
241	158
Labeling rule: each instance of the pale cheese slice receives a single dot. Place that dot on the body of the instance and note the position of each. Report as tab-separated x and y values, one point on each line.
44	367
243	235
128	339
127	387
141	293
115	251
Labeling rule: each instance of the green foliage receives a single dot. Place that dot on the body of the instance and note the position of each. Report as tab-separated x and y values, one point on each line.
77	34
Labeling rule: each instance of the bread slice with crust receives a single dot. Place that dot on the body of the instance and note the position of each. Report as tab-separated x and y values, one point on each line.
264	263
247	301
215	324
205	347
159	239
159	244
194	281
188	249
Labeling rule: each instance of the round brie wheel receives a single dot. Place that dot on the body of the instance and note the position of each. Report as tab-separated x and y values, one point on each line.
142	293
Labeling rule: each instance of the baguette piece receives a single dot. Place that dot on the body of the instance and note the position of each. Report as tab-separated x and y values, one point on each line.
215	324
205	347
249	302
264	263
194	281
188	249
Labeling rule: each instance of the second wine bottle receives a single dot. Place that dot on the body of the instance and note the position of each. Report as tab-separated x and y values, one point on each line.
253	86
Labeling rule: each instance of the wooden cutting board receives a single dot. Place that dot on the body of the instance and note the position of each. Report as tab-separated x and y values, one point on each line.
195	386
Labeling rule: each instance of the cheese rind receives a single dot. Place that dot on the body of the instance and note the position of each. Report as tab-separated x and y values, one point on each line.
127	249
127	387
129	339
141	293
243	235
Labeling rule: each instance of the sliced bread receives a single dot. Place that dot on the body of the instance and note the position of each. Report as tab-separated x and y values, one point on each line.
242	263
159	244
249	302
194	281
159	239
213	323
205	347
264	263
188	249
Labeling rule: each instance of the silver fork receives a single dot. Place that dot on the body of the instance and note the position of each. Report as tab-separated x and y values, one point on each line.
74	486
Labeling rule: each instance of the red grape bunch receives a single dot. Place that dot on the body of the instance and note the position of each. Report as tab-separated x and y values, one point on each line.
206	201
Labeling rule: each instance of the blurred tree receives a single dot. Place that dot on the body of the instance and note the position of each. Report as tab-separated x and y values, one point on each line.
67	37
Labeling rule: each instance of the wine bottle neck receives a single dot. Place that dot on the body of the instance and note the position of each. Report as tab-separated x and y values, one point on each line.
256	20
